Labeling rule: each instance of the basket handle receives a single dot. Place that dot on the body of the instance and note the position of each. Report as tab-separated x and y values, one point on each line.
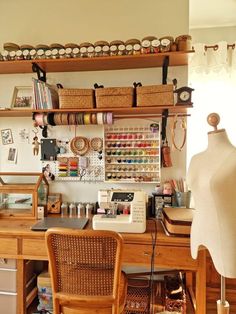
98	86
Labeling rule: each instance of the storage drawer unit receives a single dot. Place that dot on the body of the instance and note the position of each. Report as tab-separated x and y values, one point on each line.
8	302
8	280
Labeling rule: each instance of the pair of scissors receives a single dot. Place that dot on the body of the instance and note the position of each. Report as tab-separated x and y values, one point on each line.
81	173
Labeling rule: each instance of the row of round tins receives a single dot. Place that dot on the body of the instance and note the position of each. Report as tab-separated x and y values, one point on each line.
149	44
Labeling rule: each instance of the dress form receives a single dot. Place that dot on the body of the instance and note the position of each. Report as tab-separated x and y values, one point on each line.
212	180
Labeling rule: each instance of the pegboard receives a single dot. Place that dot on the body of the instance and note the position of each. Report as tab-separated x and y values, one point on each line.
94	172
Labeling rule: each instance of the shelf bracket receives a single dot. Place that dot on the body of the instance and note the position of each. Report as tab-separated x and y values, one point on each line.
165	66
40	72
165	114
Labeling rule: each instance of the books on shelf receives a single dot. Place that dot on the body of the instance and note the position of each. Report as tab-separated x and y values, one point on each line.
45	96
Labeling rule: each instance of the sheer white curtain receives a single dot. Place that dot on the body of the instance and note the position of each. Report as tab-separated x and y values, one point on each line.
212	73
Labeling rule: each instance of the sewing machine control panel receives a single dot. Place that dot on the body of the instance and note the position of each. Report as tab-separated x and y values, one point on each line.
122	197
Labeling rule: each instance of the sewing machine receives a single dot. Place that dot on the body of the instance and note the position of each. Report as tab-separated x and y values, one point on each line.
125	211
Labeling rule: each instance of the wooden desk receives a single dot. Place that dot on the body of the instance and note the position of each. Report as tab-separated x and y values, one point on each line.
19	242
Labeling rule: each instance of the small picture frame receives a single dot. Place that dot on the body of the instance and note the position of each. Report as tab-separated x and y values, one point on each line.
22	97
6	135
12	155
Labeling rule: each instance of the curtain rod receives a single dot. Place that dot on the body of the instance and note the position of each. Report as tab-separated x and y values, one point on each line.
215	47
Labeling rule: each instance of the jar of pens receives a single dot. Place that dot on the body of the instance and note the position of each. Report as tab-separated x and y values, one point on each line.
182	195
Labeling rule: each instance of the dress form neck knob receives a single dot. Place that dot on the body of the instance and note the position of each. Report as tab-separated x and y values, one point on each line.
213	120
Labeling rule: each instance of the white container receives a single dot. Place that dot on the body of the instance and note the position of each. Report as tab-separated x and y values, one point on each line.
8	302
7	263
8	280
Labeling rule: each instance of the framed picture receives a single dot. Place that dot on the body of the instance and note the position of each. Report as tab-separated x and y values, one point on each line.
22	97
6	136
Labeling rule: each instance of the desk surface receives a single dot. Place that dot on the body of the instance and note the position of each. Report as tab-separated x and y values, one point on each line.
12	228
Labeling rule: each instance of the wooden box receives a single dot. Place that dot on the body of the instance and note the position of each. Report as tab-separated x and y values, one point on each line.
114	97
54	203
75	98
155	95
177	221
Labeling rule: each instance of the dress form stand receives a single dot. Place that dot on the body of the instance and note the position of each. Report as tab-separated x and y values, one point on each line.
222	305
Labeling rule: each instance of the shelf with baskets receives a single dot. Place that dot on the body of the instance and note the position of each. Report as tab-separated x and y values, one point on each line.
41	66
132	154
178	109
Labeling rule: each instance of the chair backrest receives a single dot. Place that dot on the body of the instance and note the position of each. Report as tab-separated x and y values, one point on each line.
85	266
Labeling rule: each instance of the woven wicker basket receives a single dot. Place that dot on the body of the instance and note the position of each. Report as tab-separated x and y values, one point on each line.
138	296
155	95
174	305
74	98
112	97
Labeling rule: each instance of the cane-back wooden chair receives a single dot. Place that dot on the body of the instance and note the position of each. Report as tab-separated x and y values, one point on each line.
85	268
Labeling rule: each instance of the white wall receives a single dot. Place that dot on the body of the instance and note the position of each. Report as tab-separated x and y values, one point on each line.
35	22
213	35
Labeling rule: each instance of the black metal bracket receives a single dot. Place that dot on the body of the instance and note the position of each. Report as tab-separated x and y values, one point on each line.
165	114
165	66
40	72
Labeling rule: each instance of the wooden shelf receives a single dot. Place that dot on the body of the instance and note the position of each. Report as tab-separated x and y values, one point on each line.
97	63
136	111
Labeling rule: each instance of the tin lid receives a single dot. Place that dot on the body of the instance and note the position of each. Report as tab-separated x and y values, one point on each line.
183	37
116	42
26	46
101	43
11	46
71	45
56	46
132	41
150	38
41	46
85	44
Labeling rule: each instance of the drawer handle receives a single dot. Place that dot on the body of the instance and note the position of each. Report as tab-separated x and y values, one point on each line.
150	254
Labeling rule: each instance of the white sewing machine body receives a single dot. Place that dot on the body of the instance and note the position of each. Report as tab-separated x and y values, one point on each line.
125	211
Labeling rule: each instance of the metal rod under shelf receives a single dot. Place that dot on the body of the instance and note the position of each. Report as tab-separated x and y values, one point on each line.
125	116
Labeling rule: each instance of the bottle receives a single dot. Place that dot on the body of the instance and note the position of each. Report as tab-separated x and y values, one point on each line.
72	210
64	210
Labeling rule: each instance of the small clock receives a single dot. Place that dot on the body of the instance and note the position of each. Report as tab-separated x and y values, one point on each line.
184	95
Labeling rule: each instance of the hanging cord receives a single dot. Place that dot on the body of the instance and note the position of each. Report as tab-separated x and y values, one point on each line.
184	128
152	266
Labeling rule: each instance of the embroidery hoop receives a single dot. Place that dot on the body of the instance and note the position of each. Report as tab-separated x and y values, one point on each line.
79	145
184	127
96	143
